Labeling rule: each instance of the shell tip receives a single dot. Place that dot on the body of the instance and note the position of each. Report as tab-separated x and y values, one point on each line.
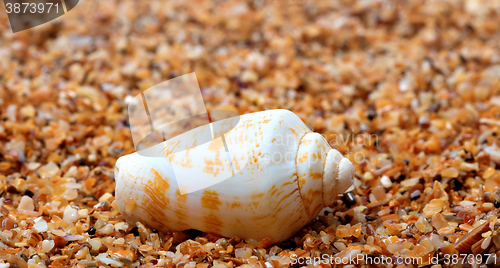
338	173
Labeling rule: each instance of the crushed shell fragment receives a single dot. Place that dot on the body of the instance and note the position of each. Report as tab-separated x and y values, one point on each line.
466	245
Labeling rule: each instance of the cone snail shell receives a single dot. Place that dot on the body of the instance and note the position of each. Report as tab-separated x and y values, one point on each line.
284	174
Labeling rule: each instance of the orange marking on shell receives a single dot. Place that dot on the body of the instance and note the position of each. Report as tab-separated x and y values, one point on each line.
236	205
195	142
305	142
186	160
303	158
213	166
210	200
180	197
211	221
257	196
235	163
170	147
286	196
180	209
316	175
272	190
216	145
260	217
211	170
156	202
313	193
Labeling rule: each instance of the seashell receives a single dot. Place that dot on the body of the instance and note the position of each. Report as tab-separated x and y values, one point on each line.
284	174
468	243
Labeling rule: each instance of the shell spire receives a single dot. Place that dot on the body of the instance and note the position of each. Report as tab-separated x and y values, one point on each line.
337	176
323	173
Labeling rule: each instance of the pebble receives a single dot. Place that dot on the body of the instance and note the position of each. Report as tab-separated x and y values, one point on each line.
99	224
28	111
433	207
91	230
119	241
108	229
57	232
422	225
121	226
450	173
70	214
126	254
83	213
94	243
49	170
33	165
378	193
60	241
26	203
47	245
486	243
70	173
243	252
73	237
469	166
349	199
70	194
488	205
415	195
73	185
410	182
40	225
92	157
489	173
145	248
82	253
386	181
105	197
109	261
340	246
368	176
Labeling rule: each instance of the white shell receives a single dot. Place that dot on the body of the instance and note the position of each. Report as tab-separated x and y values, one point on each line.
284	175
